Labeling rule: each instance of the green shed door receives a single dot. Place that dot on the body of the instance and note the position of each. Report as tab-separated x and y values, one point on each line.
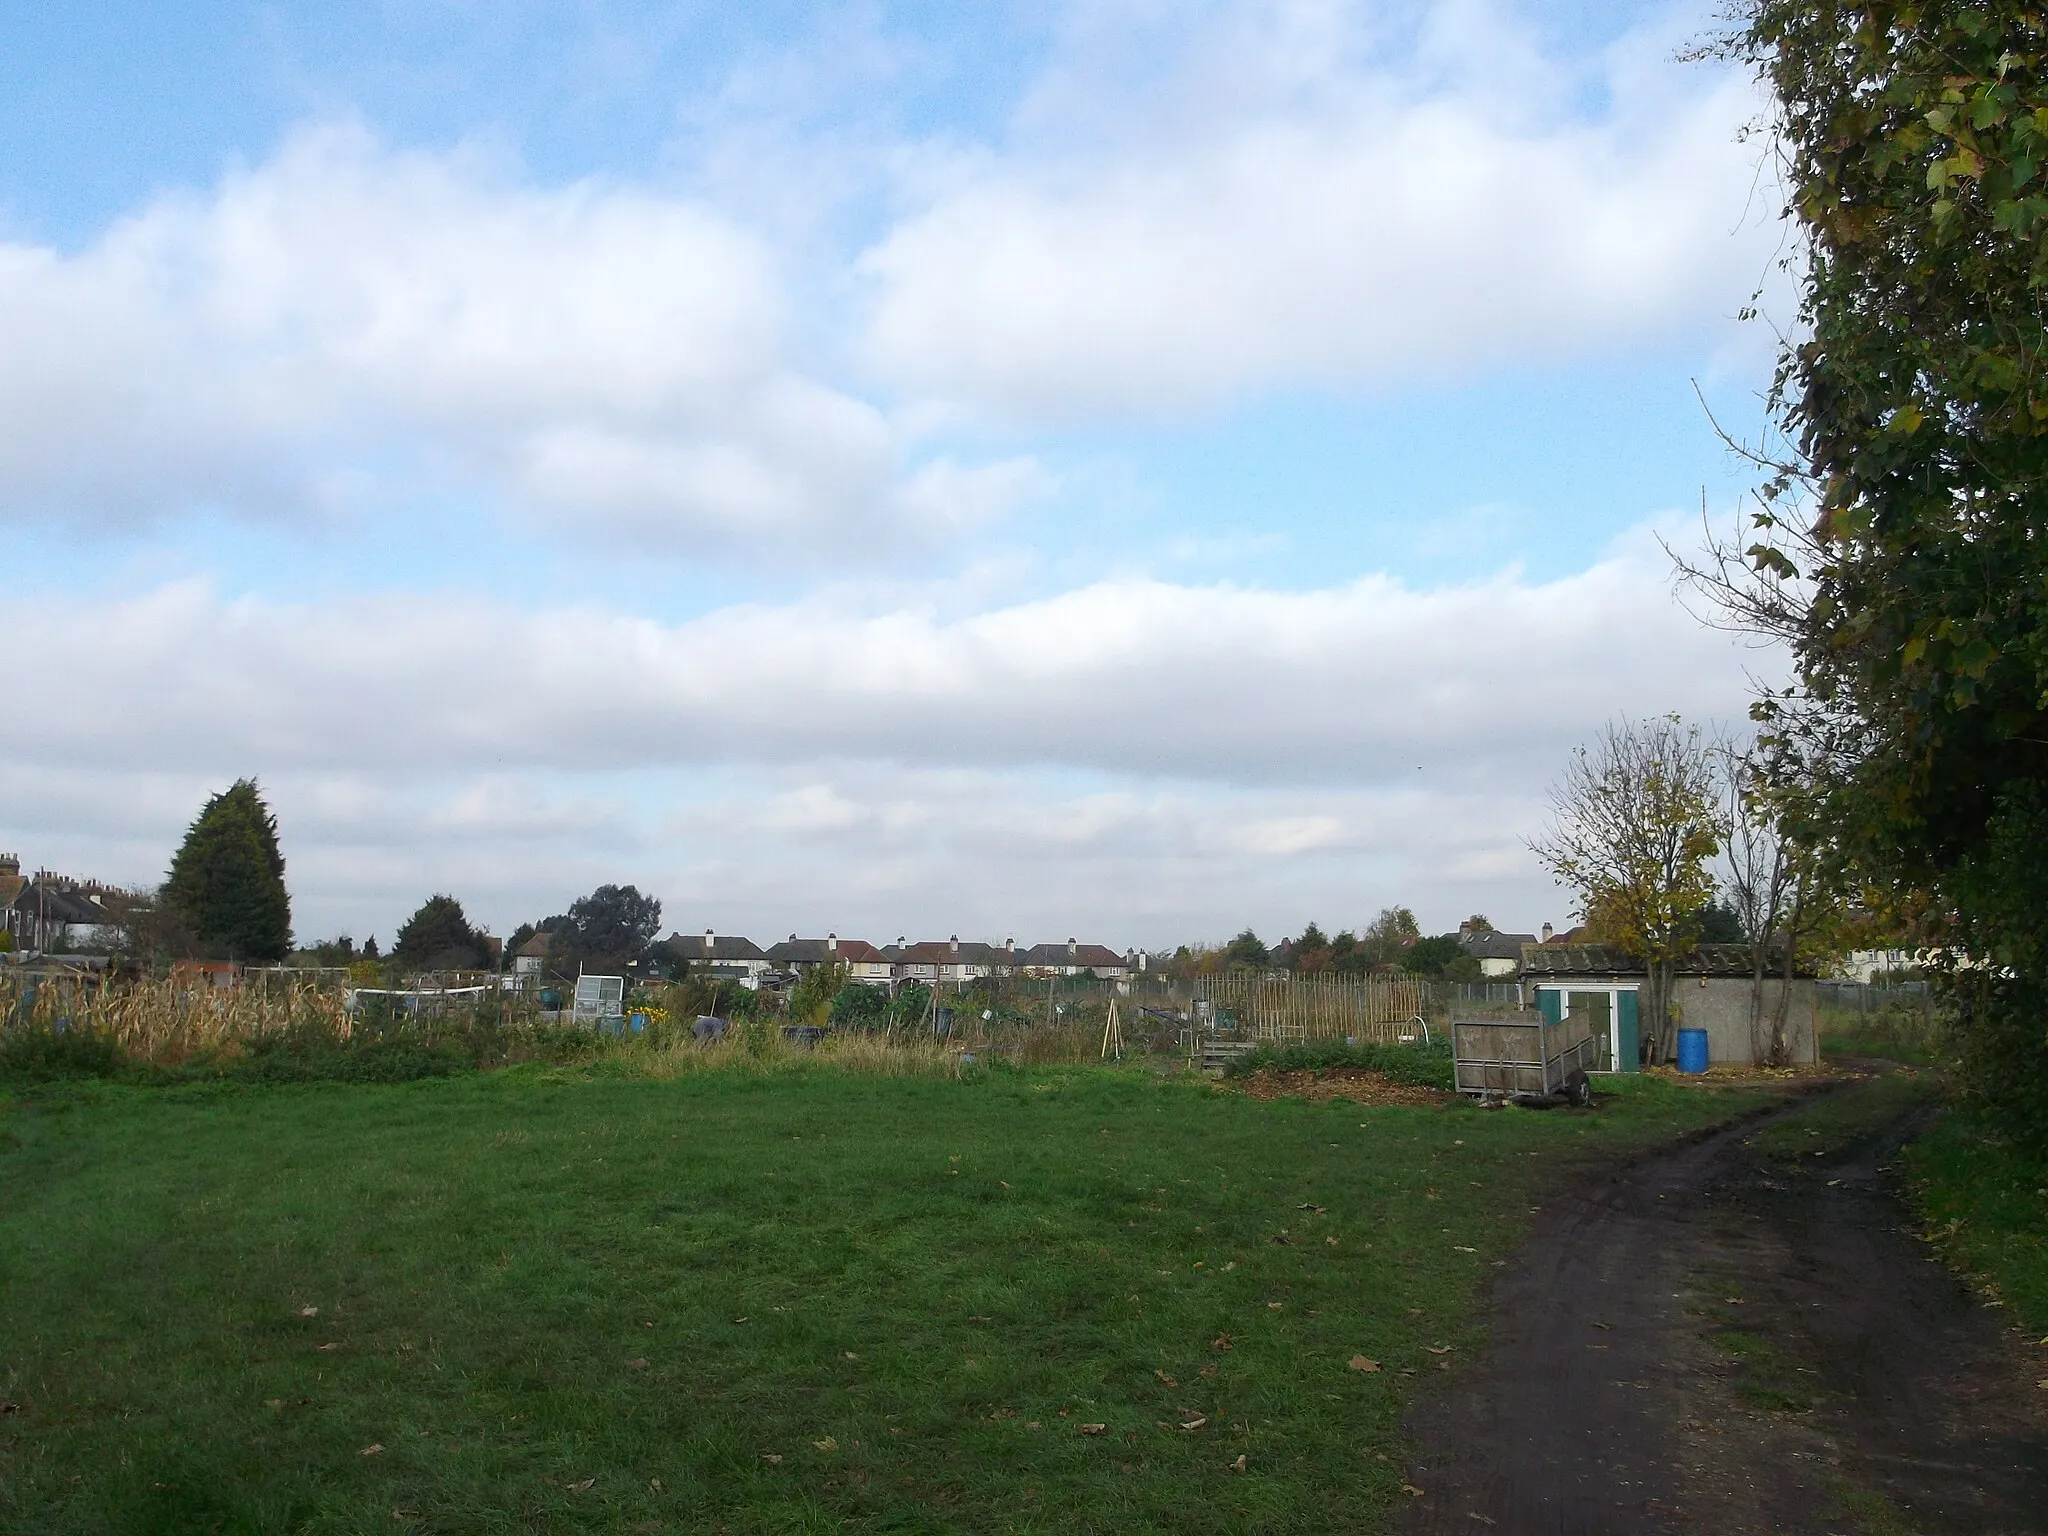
1550	1003
1628	1050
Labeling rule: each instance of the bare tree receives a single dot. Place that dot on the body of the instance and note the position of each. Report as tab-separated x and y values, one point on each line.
1634	822
1764	882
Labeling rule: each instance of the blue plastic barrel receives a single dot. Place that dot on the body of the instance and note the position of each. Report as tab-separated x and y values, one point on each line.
1692	1050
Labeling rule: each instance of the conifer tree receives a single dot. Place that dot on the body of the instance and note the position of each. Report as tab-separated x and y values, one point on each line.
227	881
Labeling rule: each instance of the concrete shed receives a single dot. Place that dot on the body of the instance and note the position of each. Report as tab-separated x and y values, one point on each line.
1712	992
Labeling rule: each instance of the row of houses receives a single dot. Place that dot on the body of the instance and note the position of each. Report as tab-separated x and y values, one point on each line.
47	911
951	961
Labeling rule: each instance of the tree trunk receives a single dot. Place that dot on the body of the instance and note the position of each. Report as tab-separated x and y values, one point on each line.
1659	1020
1759	1046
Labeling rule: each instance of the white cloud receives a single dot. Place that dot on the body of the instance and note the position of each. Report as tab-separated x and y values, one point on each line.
1298	201
1364	682
343	315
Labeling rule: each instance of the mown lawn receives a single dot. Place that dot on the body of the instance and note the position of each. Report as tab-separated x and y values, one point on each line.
547	1300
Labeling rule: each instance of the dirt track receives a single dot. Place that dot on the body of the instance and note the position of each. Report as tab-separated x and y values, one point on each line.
1721	1340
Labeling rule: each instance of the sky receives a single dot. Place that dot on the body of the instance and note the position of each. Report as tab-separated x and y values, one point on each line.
1098	468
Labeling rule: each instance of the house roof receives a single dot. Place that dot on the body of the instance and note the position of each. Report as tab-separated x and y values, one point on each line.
719	946
1084	956
1490	944
795	951
950	952
1556	959
59	904
536	947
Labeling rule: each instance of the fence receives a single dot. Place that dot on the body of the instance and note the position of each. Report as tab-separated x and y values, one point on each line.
1311	1007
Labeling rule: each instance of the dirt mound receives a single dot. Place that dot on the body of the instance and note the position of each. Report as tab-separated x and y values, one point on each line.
1354	1083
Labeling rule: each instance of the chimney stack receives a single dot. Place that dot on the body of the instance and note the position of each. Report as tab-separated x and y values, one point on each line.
1547	932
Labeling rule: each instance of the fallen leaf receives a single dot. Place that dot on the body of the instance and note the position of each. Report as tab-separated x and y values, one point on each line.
1237	1465
328	1349
1208	1370
1473	1514
1196	1423
1004	1182
1275	1306
1463	1249
1283	1239
1233	1264
1604	1325
7	1408
1094	1429
1361	1363
636	1365
1317	1210
585	1486
1411	1490
1221	1343
771	1458
654	1483
826	1444
309	1311
371	1450
1331	1241
268	1402
1438	1349
1166	1378
739	1320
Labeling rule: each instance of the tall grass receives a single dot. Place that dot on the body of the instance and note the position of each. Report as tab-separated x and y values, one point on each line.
170	1021
178	1028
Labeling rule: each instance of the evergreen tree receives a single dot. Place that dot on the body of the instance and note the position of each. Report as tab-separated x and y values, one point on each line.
438	937
227	881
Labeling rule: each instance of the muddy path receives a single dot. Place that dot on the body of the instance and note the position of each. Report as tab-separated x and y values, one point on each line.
1740	1335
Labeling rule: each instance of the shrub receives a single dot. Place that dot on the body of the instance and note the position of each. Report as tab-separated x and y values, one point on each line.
859	1006
1423	1066
45	1055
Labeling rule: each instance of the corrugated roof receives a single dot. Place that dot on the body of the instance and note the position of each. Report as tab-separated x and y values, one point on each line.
1555	959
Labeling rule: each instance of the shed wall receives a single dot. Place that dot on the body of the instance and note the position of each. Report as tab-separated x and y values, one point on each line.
1720	1006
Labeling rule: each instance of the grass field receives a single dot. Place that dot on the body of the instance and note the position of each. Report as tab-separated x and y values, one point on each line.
581	1300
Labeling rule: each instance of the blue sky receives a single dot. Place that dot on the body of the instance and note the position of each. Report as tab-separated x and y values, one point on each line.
1005	470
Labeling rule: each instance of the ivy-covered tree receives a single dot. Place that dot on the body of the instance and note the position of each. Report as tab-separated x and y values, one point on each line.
227	881
1899	547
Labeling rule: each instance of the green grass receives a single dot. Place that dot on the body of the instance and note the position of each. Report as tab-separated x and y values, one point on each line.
1843	1120
1986	1208
1893	1034
572	1300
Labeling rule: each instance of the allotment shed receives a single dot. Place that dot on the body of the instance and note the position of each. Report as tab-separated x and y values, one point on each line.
1715	990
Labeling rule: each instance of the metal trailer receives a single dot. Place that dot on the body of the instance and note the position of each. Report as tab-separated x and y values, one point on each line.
1525	1057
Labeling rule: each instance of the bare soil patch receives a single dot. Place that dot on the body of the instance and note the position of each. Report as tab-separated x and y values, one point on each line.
1744	1335
1354	1083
